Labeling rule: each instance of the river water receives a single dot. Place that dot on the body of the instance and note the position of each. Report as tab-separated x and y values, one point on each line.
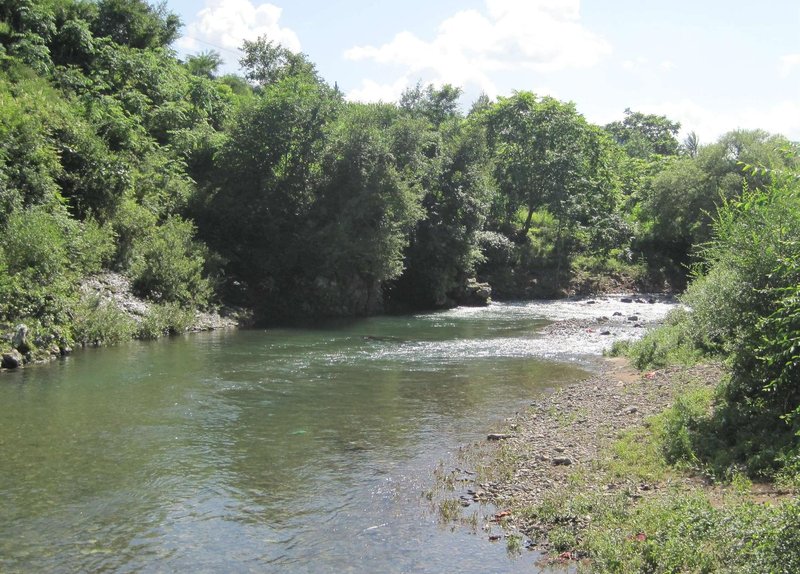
285	450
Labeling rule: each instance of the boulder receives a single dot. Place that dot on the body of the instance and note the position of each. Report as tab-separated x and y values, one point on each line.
12	359
20	339
473	294
498	436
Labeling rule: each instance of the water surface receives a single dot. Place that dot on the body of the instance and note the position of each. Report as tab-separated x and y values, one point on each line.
291	450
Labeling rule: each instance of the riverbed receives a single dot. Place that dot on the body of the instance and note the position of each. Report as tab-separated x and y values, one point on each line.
291	450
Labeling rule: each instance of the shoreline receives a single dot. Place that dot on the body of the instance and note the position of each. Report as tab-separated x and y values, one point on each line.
114	291
552	450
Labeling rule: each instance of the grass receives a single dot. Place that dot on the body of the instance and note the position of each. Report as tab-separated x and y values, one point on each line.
668	345
643	508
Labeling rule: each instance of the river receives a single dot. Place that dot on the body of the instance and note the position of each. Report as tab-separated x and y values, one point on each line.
281	450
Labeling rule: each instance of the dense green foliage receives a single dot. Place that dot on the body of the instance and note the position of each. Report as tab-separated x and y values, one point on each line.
271	191
743	306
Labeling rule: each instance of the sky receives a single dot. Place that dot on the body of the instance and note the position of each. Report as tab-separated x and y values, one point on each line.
713	65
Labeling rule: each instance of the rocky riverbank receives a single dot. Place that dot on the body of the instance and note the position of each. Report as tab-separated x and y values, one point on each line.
536	455
115	289
125	315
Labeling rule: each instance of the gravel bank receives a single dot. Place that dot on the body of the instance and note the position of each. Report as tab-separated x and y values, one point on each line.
532	456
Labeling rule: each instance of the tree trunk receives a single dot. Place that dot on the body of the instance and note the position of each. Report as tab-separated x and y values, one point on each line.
528	222
558	255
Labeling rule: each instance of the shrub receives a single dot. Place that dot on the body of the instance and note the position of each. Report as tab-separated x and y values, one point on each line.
98	322
164	319
34	241
672	343
168	264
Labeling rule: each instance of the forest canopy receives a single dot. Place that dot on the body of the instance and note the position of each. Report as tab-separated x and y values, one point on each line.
271	191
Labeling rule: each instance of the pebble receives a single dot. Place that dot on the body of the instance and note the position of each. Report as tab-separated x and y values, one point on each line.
498	436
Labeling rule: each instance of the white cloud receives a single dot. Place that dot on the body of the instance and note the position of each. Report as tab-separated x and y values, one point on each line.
507	35
788	63
642	64
226	23
636	64
371	91
781	117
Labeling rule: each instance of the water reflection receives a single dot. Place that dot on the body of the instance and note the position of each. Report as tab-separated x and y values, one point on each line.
304	450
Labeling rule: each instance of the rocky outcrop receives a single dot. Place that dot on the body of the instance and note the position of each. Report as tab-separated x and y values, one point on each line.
116	289
12	359
20	339
473	294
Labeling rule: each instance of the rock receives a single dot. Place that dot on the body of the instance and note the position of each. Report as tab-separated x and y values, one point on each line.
617	314
638	300
20	339
633	318
591	302
471	294
498	436
605	332
626	300
562	461
651	300
12	359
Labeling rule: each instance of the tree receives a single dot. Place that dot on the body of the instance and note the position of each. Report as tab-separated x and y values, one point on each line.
136	23
443	249
691	144
365	209
540	145
645	134
267	62
436	105
205	64
683	198
257	216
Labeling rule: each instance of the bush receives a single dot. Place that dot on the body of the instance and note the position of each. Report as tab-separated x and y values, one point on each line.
670	344
168	265
97	322
165	319
34	242
681	423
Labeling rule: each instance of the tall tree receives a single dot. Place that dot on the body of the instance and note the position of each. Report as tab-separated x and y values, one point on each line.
136	23
266	62
540	145
258	216
435	104
642	135
365	210
205	64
